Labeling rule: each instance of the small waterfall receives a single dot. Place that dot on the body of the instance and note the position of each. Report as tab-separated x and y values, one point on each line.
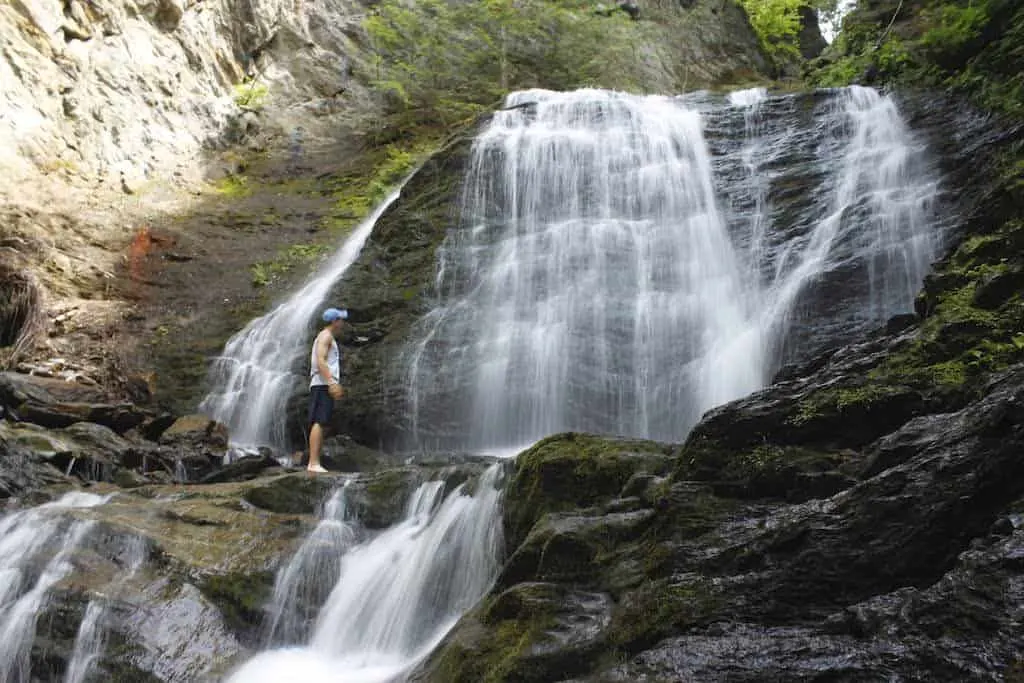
396	595
877	234
305	582
88	644
753	150
25	540
256	374
89	640
619	268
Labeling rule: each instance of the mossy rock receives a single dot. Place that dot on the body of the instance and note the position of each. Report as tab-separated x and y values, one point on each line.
662	608
574	547
530	633
293	494
572	470
240	597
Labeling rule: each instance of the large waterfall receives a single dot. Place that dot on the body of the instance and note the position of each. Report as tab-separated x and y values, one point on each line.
617	271
620	264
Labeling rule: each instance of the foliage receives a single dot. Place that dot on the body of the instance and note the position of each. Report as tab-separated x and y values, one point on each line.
233	186
448	61
972	46
264	272
250	95
777	23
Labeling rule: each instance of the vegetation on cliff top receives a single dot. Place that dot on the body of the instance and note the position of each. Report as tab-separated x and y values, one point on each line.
446	61
972	46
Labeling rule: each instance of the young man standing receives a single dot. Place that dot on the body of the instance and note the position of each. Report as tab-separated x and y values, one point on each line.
324	382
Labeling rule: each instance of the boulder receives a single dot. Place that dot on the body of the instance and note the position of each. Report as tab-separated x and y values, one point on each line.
672	583
197	435
22	469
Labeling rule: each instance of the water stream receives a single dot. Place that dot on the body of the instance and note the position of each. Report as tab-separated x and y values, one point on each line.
395	595
625	263
254	377
620	265
26	539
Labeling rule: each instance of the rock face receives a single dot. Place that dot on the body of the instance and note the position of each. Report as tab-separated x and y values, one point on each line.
699	576
388	289
131	90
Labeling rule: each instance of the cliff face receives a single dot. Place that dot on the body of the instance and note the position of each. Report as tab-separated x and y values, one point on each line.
112	88
114	114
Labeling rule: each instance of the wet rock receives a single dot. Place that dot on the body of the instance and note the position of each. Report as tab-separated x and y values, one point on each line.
545	632
55	404
567	546
993	291
344	454
912	569
244	469
299	493
197	434
22	469
575	470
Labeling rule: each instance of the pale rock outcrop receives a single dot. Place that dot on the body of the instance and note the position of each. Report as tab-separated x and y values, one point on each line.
126	90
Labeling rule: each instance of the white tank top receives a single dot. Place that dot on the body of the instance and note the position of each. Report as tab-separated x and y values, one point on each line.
333	363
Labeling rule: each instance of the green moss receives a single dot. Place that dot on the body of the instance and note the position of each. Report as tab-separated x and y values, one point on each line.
660	609
388	488
574	470
233	186
288	259
356	194
251	95
291	494
515	622
839	400
239	597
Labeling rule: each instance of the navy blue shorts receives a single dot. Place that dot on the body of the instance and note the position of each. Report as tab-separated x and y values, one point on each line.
320	406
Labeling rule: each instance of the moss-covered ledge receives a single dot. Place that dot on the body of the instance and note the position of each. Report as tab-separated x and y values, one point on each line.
571	471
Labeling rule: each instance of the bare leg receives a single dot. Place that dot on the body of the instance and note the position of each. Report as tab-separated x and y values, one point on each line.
316	440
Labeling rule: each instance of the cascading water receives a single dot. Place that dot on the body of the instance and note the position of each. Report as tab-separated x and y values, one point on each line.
89	640
592	274
595	284
254	377
304	584
396	595
26	538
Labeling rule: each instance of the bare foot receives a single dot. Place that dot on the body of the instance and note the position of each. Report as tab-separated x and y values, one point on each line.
316	469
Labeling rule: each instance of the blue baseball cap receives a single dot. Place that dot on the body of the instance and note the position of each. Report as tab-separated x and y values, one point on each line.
332	314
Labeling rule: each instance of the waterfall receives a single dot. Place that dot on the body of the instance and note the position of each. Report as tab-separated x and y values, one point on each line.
592	273
89	640
397	594
26	538
303	585
254	377
617	270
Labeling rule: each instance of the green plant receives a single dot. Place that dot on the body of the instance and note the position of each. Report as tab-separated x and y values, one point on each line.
447	61
251	95
233	186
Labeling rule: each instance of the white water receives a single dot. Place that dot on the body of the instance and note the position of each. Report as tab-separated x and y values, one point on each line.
26	539
595	284
254	377
89	641
304	583
879	214
396	595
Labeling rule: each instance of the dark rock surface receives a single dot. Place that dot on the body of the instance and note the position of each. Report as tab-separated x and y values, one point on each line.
912	569
387	290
